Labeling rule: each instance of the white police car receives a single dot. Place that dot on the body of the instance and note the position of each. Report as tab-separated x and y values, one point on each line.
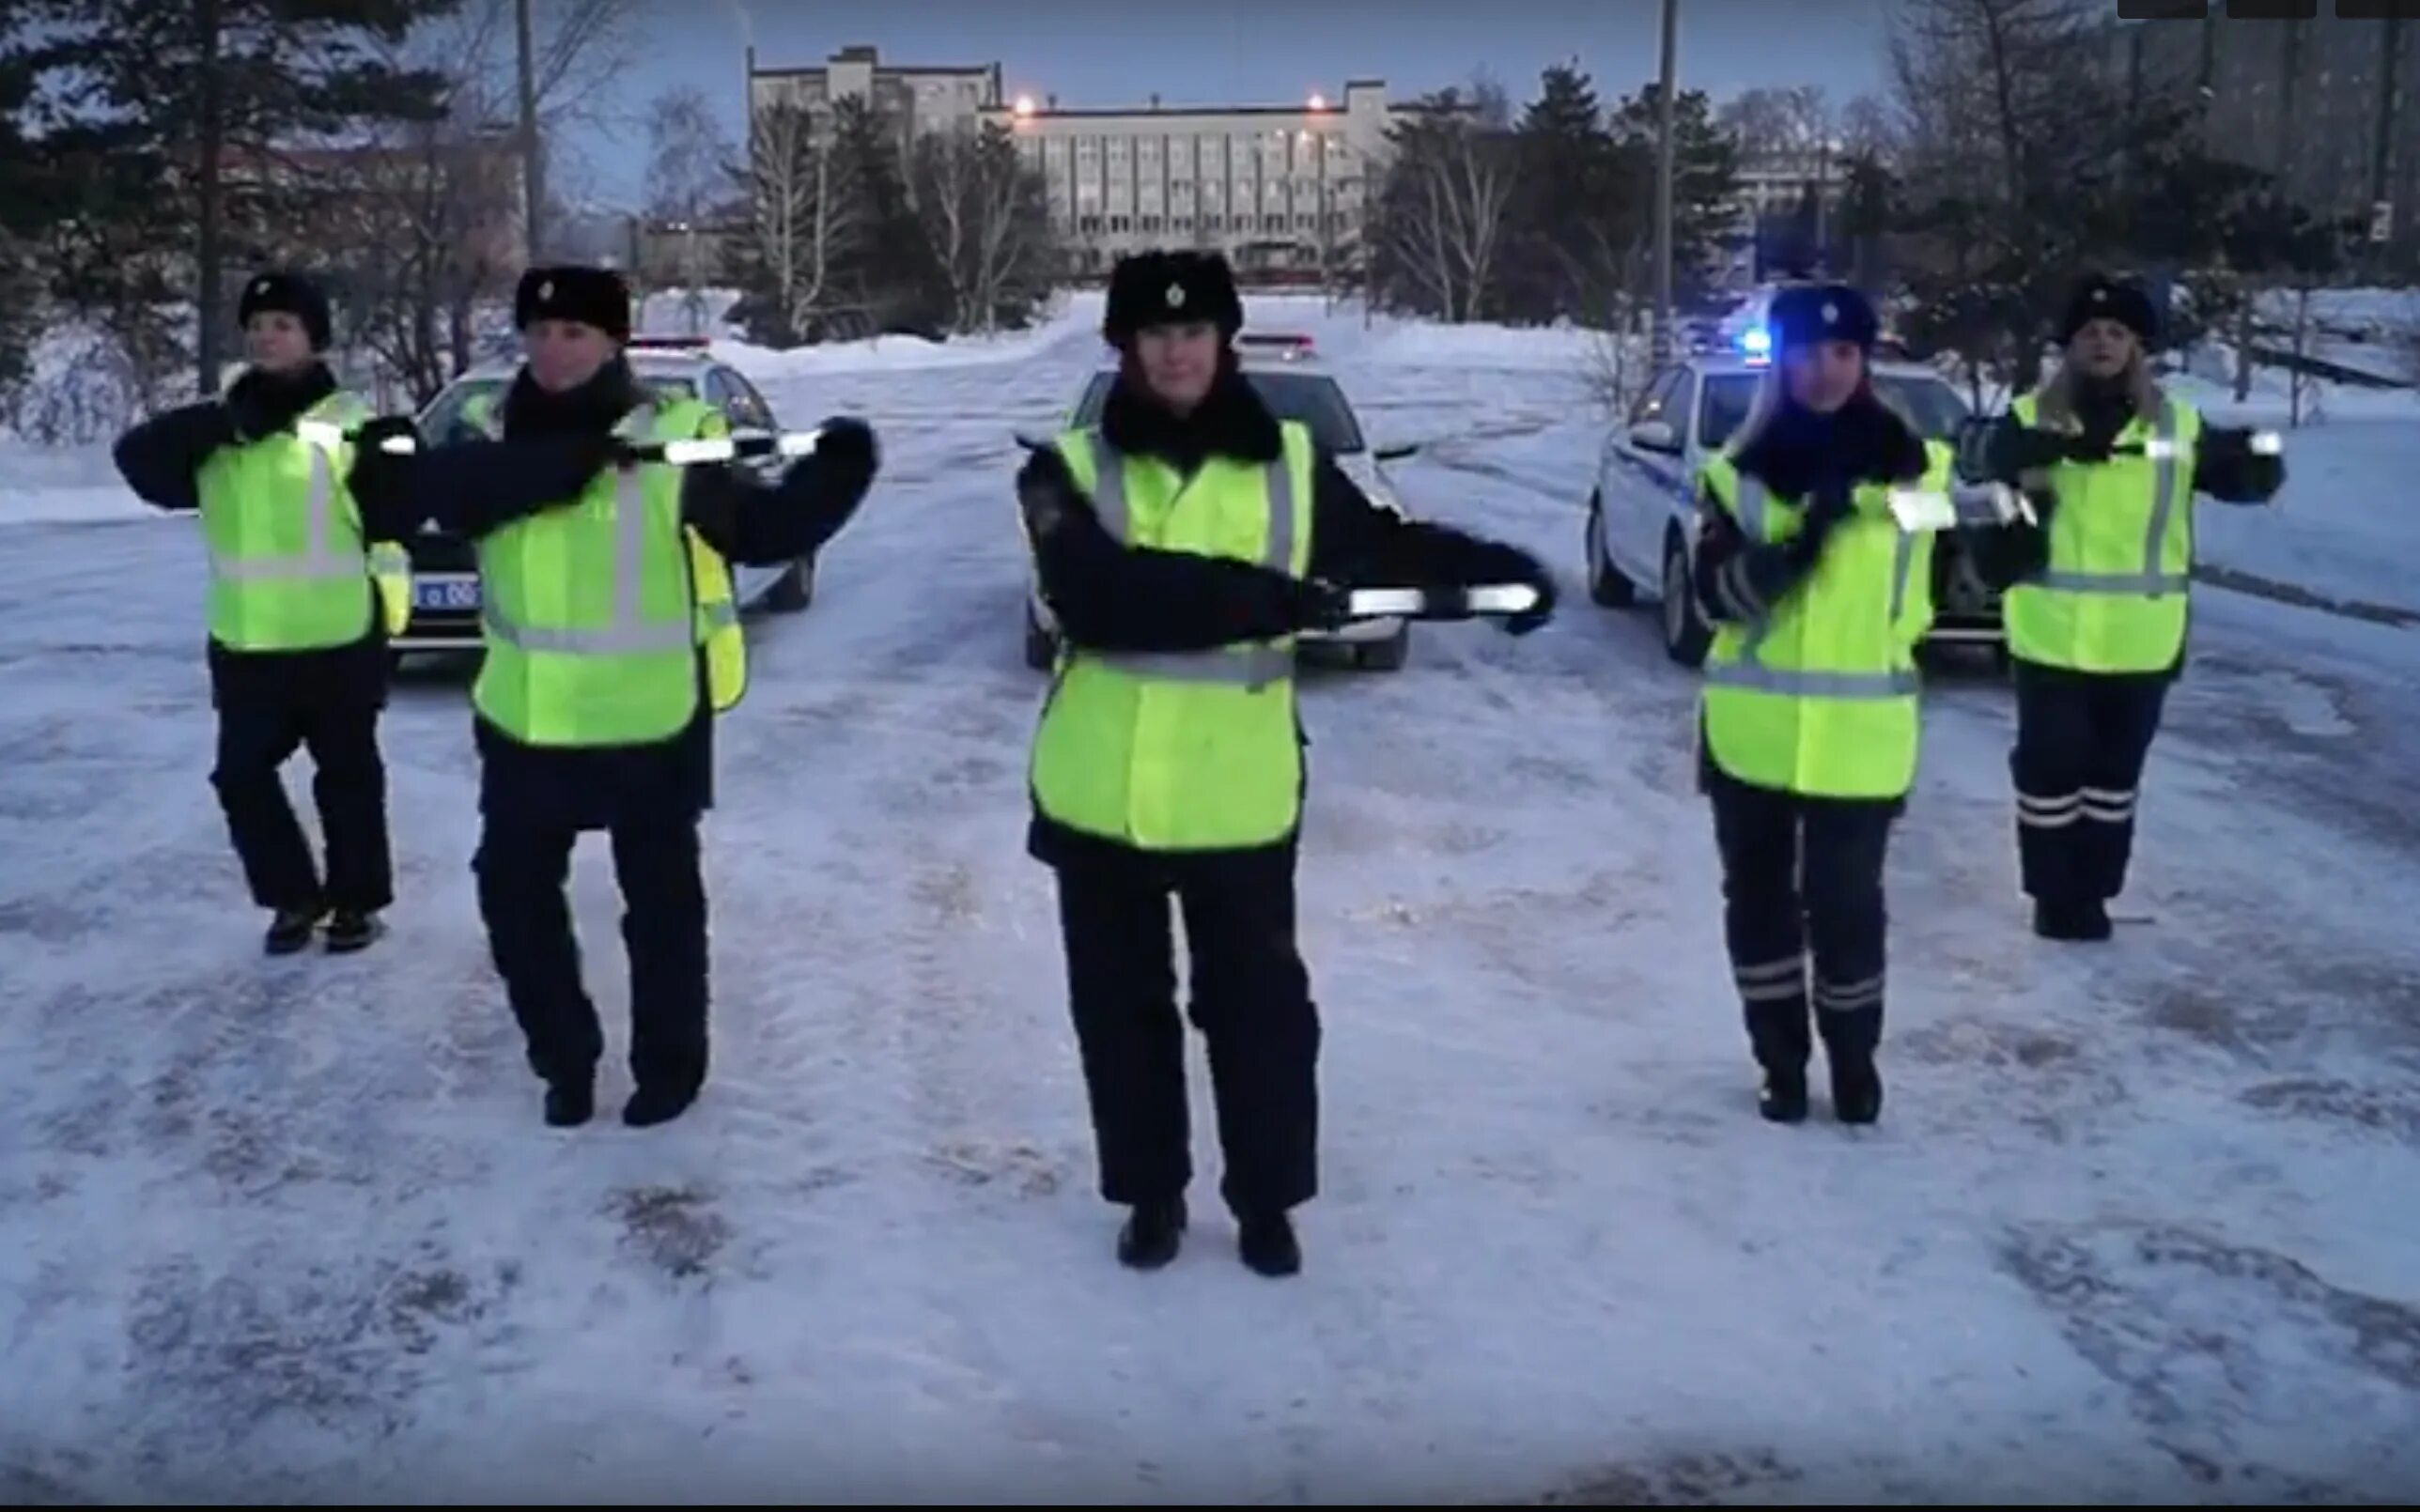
1642	511
1285	370
445	568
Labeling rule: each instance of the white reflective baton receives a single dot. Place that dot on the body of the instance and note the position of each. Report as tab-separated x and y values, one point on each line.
729	448
2260	444
1412	602
1921	510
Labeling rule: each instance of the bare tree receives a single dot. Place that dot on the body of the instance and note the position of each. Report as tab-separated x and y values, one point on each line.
689	169
809	219
1444	212
986	217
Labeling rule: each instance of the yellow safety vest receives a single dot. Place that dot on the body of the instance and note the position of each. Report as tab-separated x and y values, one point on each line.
1818	697
595	612
289	570
1193	750
2113	597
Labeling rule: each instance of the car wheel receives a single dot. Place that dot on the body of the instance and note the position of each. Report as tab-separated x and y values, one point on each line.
1605	584
1687	635
794	590
1387	655
1041	646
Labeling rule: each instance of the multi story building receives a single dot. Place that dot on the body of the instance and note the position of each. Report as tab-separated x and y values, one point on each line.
2317	102
1282	189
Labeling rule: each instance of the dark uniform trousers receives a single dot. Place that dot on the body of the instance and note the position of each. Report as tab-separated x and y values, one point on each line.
1803	873
524	870
1251	998
2082	739
254	740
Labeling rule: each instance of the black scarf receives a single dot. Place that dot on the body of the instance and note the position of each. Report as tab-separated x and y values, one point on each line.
1799	451
1230	422
2104	407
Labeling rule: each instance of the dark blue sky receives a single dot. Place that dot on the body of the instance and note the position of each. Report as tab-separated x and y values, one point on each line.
1108	52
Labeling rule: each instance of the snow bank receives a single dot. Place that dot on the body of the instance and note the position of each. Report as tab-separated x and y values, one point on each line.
63	485
764	364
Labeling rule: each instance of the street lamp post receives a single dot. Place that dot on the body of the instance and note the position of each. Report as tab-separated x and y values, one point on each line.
1664	112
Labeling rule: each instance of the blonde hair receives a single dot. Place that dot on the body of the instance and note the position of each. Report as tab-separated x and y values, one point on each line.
2055	400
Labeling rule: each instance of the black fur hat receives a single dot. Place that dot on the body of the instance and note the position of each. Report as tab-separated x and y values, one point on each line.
1158	288
289	292
1810	313
2100	298
592	296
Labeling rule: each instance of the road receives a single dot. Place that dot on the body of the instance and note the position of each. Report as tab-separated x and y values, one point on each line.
2137	1223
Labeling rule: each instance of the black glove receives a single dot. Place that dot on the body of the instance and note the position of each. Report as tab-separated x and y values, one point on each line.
2084	449
1047	504
263	406
2015	448
381	480
846	458
1509	564
1322	606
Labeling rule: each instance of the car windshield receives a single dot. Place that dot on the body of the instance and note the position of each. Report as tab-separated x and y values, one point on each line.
1314	399
446	423
1932	404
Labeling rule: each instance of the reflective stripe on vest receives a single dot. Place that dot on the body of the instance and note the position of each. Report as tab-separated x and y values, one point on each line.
320	559
2149	582
1748	506
630	631
1254	667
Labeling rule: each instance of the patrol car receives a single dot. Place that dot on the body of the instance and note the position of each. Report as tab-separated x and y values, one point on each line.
1284	368
1642	511
445	569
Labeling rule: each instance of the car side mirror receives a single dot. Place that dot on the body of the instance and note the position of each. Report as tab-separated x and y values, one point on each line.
1654	435
1396	452
1028	440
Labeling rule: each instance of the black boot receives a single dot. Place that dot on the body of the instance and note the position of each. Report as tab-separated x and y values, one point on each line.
659	1102
1851	1036
1777	1033
1268	1243
1153	1232
350	930
2072	918
290	931
570	1101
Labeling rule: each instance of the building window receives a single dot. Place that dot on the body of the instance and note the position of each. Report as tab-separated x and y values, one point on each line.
1089	224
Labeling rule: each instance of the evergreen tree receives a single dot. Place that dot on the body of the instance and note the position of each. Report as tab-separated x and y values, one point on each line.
1705	178
165	123
1577	210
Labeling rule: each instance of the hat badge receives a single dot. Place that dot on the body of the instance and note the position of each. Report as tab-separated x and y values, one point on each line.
1831	314
1176	295
546	289
2100	296
260	286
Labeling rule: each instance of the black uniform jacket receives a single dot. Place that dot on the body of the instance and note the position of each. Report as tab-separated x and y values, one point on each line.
553	446
1106	596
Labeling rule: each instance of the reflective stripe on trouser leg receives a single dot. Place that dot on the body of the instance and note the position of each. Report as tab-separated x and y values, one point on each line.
1252	665
1841	998
2104	842
1772	981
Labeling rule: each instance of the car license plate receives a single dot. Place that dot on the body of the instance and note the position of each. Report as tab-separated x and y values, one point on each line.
445	594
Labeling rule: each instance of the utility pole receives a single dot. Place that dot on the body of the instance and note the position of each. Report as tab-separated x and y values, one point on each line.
1663	338
533	159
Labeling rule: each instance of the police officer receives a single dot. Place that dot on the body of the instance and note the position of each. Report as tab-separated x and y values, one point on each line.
1182	544
1809	725
612	640
305	585
2096	616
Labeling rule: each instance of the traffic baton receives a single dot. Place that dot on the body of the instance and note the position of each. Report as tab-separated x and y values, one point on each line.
2262	443
1419	603
691	451
1981	504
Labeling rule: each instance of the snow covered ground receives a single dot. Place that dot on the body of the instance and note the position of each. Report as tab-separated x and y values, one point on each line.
2137	1225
